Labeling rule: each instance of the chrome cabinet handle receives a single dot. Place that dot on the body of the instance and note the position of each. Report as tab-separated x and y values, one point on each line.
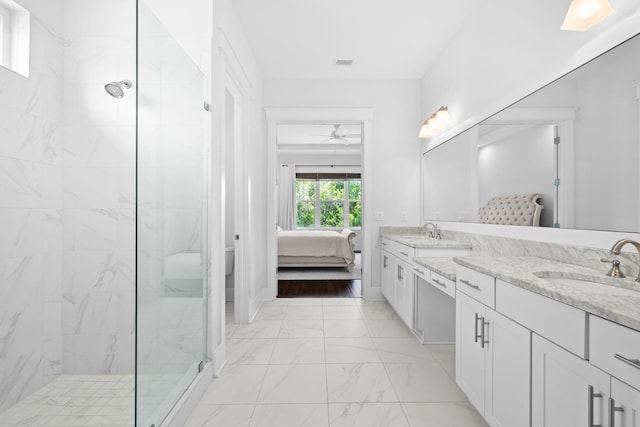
386	262
476	328
612	411
400	272
483	340
383	244
633	362
437	282
471	285
404	253
592	395
419	271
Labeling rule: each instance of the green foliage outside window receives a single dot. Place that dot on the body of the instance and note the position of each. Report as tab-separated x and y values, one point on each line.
306	214
339	203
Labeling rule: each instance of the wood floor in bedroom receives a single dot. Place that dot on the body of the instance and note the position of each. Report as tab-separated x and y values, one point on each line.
319	289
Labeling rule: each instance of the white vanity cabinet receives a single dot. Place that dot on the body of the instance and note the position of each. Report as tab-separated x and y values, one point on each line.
492	354
566	390
397	278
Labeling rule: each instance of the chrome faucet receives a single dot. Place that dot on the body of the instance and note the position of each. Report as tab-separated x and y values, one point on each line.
436	233
615	250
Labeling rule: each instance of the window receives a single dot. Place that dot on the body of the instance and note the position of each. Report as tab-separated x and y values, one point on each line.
328	200
14	37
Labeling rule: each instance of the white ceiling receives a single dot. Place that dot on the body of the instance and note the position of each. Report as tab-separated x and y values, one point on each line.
301	39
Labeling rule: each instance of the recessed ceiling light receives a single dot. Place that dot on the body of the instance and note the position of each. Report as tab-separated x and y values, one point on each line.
344	62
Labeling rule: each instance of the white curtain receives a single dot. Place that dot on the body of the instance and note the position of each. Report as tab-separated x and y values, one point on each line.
287	197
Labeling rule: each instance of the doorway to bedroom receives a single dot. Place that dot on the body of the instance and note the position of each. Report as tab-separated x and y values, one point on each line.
319	209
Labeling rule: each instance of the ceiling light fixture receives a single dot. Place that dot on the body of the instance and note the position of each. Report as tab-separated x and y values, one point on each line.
584	14
438	121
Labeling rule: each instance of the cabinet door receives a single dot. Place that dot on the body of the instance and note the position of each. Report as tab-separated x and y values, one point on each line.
404	293
387	276
470	353
624	408
508	370
560	388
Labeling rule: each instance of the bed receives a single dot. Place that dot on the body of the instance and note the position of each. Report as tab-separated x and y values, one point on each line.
316	248
512	209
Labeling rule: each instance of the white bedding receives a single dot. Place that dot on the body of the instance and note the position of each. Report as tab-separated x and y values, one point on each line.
316	243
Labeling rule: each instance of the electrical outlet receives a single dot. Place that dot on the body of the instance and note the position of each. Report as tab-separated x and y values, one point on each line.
379	216
403	216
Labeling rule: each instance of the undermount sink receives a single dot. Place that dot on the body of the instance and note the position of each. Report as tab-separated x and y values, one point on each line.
602	285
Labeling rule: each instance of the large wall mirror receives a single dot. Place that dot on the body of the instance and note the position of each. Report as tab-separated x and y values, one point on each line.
575	142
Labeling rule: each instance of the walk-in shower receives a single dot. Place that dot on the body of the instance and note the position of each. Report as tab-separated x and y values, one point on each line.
116	89
103	259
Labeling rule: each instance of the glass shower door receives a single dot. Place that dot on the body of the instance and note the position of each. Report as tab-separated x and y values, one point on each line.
171	220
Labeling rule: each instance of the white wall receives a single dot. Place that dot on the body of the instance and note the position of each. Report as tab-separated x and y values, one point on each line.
396	120
31	211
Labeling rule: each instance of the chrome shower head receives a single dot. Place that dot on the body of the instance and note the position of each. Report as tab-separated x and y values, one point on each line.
116	89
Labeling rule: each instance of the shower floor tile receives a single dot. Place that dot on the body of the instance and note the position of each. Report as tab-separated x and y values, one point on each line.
76	400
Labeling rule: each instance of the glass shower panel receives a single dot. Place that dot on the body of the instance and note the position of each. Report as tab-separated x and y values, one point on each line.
171	220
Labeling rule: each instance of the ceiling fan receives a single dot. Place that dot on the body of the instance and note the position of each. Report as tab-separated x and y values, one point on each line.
339	136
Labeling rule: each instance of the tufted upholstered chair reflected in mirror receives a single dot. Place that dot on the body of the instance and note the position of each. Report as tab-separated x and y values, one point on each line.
512	209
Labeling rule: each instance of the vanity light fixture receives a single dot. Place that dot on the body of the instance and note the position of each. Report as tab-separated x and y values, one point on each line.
584	14
438	120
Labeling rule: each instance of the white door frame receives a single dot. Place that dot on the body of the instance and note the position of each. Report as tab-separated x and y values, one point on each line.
275	116
234	80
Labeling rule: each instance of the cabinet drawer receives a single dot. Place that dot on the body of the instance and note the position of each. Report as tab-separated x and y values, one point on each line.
615	349
403	252
443	284
422	272
477	285
560	323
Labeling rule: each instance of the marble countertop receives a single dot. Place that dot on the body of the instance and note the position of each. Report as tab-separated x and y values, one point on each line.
622	309
441	265
420	241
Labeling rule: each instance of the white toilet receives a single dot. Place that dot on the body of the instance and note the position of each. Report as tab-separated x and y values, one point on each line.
228	260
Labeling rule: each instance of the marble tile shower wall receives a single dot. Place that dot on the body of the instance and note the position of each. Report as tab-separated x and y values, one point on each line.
31	214
98	188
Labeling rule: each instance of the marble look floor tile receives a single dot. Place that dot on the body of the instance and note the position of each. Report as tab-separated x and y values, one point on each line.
402	350
271	312
341	312
229	329
446	356
445	414
303	312
256	351
351	350
220	415
307	415
377	310
304	301
326	302
367	415
258	329
359	382
294	384
423	382
236	384
296	328
388	328
353	328
298	350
